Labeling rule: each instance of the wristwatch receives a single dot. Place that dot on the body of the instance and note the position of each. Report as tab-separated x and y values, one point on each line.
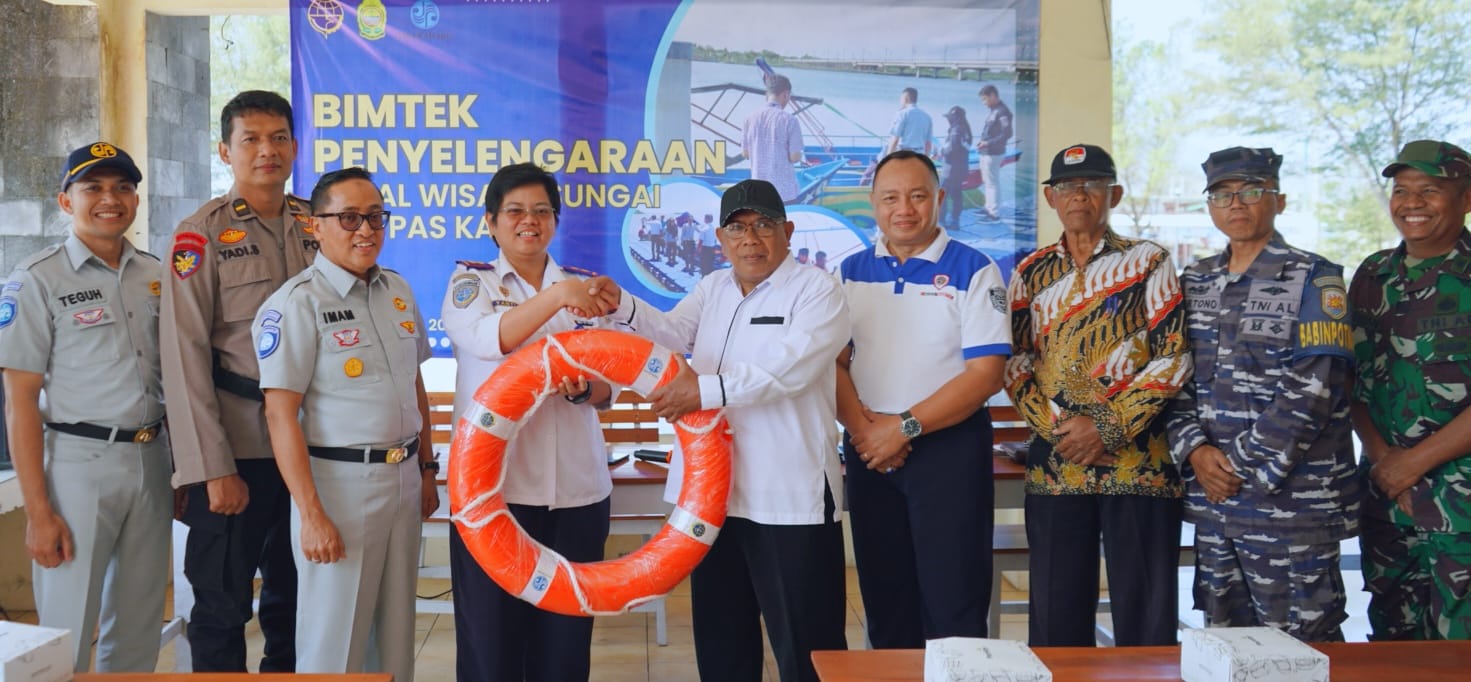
430	465
909	427
582	397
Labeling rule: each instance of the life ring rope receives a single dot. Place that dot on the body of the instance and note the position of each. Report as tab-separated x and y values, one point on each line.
536	573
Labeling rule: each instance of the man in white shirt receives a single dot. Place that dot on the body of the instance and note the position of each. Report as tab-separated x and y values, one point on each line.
762	335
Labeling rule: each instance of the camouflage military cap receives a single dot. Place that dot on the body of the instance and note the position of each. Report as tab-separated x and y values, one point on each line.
1433	158
1241	163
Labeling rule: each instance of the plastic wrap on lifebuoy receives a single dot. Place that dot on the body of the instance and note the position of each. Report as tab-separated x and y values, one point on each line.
523	566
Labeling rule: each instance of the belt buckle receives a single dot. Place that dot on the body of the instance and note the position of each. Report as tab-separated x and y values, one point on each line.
396	455
145	435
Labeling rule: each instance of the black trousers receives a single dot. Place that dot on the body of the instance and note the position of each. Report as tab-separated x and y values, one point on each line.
499	637
1141	543
221	557
922	537
792	576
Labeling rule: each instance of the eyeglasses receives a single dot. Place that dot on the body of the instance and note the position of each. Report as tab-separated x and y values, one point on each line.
1248	196
762	228
1069	189
352	220
516	213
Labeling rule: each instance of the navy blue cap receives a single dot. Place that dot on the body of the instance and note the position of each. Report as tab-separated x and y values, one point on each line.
1241	163
97	155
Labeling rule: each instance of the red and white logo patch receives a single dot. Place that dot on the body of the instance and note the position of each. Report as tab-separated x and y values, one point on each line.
346	338
92	316
941	281
1074	156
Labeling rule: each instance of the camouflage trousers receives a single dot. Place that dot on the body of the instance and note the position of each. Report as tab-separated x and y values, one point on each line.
1248	582
1417	582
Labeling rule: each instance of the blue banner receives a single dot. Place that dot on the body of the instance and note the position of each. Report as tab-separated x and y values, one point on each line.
641	109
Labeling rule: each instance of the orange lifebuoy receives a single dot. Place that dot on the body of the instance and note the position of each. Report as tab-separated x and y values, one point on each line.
525	567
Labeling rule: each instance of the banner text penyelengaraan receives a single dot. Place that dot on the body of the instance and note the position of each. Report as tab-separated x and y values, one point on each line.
460	156
484	157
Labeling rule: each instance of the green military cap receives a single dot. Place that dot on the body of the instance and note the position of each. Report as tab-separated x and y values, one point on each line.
1433	158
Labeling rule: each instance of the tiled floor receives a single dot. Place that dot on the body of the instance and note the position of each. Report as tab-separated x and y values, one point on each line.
624	649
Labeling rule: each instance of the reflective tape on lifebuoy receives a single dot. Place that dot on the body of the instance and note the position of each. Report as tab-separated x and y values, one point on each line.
525	567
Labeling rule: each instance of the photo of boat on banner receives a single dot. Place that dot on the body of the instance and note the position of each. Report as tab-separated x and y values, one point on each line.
813	112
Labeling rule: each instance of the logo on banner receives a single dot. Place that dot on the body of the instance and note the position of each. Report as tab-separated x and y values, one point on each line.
424	14
372	19
324	16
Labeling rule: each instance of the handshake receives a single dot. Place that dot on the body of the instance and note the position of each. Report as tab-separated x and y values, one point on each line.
589	298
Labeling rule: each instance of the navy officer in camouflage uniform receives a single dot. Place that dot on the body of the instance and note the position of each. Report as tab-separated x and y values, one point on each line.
1261	434
1411	309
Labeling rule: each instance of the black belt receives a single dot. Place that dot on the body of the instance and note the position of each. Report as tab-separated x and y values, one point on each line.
366	455
108	433
236	384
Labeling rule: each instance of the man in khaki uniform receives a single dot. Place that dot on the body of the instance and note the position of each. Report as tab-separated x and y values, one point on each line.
226	259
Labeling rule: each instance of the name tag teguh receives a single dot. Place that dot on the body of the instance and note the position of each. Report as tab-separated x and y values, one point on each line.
1258	654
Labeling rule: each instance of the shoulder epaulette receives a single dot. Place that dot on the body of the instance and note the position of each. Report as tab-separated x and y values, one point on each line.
30	261
298	205
241	208
578	271
477	265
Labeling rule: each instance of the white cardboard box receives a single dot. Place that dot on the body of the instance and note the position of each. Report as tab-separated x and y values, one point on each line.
970	659
1258	654
29	653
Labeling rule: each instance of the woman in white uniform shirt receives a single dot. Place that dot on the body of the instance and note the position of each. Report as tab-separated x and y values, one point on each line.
557	482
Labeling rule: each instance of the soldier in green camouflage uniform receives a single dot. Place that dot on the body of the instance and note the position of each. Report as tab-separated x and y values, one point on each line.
1261	433
1411	311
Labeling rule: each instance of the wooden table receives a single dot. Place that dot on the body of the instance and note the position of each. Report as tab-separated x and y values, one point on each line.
231	677
1354	662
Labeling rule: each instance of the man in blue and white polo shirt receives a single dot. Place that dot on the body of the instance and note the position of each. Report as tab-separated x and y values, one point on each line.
931	335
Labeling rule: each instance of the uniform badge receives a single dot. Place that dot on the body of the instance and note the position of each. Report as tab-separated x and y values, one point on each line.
408	326
188	253
1335	302
505	291
941	281
231	236
306	226
155	288
353	367
91	316
998	299
1074	156
241	208
399	305
465	291
346	338
7	311
270	334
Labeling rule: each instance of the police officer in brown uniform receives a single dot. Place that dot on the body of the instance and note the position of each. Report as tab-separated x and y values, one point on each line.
226	260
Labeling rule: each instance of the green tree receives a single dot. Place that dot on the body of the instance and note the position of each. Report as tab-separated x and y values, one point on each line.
247	52
1363	76
1149	119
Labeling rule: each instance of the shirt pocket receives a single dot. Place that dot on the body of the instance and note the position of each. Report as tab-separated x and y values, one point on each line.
91	340
1447	368
404	355
245	283
347	358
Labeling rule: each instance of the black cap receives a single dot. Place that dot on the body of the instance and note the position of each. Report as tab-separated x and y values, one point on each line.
97	155
752	195
1241	163
955	112
1081	161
